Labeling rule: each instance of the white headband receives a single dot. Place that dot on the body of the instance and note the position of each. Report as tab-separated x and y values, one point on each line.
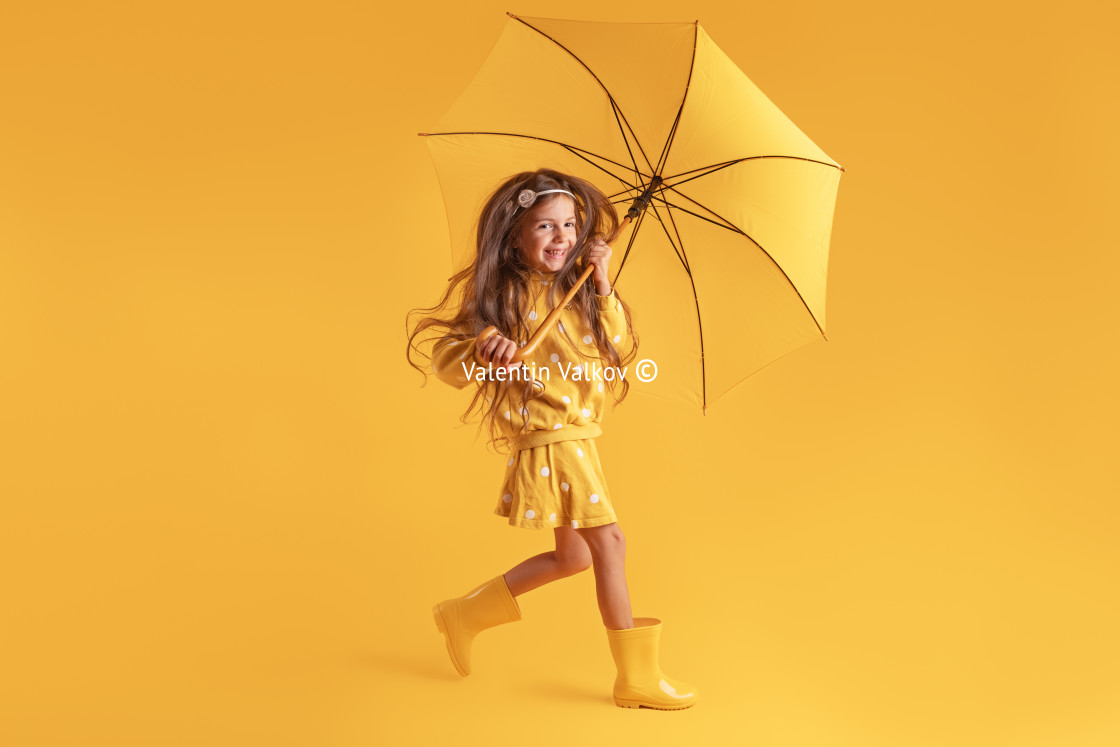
527	197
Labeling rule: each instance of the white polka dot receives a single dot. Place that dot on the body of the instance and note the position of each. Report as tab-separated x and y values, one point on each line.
564	486
561	326
594	498
555	358
530	514
524	410
533	315
454	343
464	354
546	282
544	471
587	339
506	413
585	412
600	386
521	344
558	426
618	338
566	399
574	523
507	498
552	517
510	462
579	451
489	400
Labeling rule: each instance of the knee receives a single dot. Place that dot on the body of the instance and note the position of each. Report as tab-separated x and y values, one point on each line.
573	561
607	541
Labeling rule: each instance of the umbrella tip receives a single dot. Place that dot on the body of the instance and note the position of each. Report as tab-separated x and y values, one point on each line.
422	134
511	15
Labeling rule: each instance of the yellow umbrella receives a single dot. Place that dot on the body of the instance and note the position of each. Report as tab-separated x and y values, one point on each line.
726	269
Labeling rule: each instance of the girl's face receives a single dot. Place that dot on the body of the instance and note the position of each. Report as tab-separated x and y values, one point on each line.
548	233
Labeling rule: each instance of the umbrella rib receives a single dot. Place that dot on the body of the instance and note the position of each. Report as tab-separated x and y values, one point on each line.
684	97
573	148
761	248
669	212
605	90
726	224
630	187
577	154
712	169
626	140
629	245
621	203
679	251
709	170
731	226
692	281
706	169
717	166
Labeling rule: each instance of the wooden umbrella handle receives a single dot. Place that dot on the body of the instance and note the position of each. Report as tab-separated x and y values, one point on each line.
553	316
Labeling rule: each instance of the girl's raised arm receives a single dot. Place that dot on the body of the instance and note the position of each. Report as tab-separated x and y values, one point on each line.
448	358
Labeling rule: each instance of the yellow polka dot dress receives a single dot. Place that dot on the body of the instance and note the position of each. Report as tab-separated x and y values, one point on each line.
554	478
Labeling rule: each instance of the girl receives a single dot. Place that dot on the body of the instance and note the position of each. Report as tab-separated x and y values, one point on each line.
536	234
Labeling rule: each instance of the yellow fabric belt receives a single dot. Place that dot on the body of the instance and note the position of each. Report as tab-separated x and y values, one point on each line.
567	433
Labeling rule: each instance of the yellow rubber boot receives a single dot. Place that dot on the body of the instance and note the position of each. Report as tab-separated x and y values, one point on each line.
640	681
460	620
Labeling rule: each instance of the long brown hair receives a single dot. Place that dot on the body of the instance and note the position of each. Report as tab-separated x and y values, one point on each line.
494	288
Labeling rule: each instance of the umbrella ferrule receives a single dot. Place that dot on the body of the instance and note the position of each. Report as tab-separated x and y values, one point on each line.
642	202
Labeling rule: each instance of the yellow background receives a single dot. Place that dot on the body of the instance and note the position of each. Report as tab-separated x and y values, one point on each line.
228	506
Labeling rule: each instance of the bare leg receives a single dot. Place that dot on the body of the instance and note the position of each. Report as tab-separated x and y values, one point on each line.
608	551
570	557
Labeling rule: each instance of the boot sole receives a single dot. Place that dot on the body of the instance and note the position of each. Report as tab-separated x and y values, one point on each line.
640	704
441	626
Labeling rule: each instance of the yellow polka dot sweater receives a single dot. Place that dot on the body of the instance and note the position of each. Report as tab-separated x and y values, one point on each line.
554	477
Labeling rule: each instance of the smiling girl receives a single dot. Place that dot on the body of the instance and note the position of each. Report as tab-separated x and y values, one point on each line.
537	233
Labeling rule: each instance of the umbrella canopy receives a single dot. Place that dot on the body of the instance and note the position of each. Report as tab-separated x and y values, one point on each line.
726	269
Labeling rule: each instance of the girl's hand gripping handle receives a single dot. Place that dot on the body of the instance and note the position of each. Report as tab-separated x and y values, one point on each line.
495	349
519	354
